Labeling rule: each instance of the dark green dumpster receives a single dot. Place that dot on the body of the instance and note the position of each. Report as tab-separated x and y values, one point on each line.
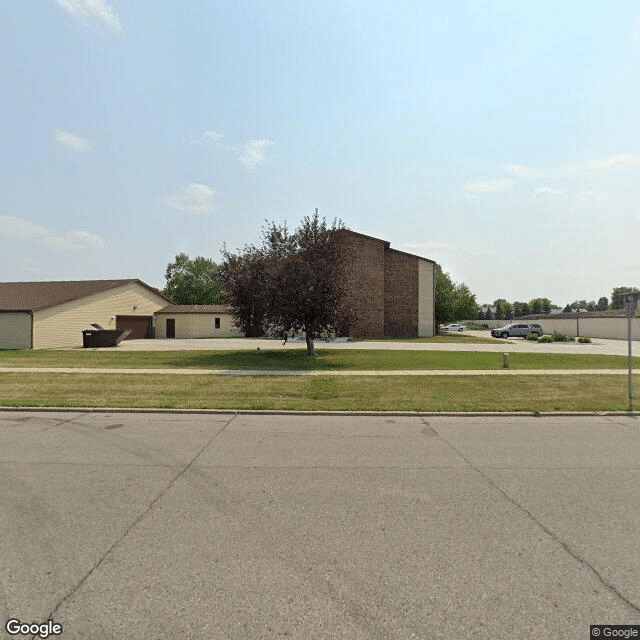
95	338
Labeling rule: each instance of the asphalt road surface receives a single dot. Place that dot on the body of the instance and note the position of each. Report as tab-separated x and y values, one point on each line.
173	526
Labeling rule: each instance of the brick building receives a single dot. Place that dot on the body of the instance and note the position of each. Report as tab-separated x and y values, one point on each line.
393	290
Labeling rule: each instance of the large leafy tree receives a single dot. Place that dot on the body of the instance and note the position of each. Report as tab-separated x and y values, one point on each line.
617	301
466	306
602	304
504	310
444	294
244	276
452	301
193	281
298	280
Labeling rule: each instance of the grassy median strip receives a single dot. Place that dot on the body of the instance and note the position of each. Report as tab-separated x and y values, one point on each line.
357	393
296	360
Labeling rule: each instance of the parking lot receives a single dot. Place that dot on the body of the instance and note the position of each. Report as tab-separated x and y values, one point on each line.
515	345
165	525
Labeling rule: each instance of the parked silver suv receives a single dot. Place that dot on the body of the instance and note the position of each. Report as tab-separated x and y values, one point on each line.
515	330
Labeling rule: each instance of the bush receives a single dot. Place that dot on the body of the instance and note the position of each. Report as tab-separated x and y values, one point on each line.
533	337
476	326
546	339
561	337
584	339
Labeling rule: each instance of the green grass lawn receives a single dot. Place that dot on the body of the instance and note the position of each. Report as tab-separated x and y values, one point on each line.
357	393
452	337
296	359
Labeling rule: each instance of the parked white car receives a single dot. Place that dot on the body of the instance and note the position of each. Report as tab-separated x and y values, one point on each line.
454	326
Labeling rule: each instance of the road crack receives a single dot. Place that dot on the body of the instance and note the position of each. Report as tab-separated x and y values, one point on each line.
565	545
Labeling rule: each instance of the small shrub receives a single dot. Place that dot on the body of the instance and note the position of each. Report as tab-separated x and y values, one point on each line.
476	326
546	339
533	337
584	339
561	337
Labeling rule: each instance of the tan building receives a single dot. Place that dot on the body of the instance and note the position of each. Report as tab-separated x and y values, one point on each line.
393	290
195	321
47	315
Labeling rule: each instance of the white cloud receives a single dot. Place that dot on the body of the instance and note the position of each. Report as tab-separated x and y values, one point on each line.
473	188
212	135
206	139
11	227
71	141
545	192
74	241
194	198
621	161
568	170
253	154
98	12
20	229
525	172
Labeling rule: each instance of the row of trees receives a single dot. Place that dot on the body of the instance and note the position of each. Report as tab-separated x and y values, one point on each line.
592	305
504	310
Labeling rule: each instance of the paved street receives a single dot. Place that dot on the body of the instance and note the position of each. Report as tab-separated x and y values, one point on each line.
253	527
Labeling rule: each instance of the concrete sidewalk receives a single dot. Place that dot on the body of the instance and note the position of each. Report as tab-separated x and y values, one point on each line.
258	372
599	346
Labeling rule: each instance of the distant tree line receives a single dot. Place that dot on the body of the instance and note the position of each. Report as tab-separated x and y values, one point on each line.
503	310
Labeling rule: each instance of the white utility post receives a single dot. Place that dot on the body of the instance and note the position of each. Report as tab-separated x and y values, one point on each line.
630	301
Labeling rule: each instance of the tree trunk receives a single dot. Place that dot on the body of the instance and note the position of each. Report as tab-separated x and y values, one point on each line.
311	350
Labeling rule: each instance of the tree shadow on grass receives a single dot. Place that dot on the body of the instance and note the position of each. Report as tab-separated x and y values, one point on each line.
293	360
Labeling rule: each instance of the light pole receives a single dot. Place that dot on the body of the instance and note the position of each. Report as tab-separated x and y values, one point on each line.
629	299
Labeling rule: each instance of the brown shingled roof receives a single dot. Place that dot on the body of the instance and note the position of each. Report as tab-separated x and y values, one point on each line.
194	308
34	296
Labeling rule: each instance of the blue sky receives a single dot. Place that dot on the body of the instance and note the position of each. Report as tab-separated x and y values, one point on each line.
500	139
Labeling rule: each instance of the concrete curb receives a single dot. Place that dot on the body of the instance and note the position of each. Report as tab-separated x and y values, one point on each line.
269	412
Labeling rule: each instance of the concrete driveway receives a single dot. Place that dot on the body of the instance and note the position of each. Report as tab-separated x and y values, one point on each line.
514	345
173	526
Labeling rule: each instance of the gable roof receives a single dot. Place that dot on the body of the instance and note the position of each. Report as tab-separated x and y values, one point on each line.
385	243
34	296
193	308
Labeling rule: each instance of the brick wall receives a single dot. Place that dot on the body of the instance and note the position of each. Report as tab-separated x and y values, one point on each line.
363	261
385	288
400	294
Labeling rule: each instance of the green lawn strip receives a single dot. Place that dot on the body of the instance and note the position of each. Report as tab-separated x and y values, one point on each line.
296	359
453	337
357	393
